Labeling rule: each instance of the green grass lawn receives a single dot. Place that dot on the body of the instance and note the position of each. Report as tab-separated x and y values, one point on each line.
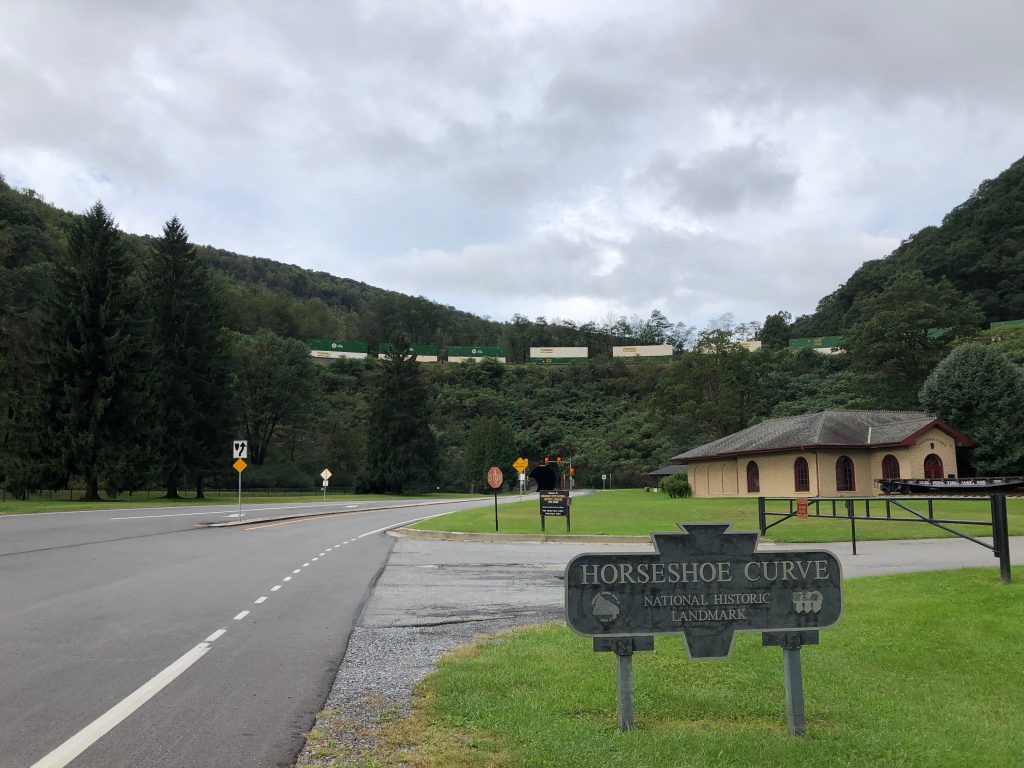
923	670
42	504
635	513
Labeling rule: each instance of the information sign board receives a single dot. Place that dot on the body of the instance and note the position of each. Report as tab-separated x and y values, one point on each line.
554	503
705	584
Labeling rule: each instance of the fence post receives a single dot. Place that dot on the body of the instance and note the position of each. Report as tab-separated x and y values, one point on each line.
853	524
1001	536
760	515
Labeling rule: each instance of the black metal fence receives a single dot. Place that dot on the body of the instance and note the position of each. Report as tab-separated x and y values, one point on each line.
850	509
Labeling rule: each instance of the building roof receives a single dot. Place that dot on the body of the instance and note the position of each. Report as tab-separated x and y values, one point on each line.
826	429
671	469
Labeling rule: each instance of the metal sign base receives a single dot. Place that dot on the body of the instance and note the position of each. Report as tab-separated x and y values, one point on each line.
624	648
790	642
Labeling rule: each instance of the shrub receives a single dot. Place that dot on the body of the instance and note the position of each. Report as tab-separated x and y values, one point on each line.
676	486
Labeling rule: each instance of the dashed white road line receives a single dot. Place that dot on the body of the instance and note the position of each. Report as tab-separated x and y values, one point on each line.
259	600
275	588
287	578
241	616
297	570
216	635
93	732
305	565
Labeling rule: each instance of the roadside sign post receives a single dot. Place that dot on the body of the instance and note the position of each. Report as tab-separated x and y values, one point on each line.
705	584
240	452
555	504
603	478
520	465
495	479
326	475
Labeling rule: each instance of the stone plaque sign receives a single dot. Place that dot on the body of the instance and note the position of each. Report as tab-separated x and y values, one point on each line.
554	503
705	584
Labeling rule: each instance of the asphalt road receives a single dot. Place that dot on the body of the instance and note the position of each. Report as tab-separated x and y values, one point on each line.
134	638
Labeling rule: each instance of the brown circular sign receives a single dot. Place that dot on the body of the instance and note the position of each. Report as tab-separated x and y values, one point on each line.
494	477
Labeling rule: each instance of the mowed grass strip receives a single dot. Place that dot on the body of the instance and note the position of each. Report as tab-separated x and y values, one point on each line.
635	513
14	507
923	670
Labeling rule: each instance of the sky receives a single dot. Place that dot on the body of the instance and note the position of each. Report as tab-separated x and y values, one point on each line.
571	159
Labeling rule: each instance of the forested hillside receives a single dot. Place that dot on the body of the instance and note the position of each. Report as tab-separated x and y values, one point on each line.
979	248
115	346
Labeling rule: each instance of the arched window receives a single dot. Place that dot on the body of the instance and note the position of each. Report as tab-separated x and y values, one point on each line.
753	478
890	467
801	475
845	479
932	467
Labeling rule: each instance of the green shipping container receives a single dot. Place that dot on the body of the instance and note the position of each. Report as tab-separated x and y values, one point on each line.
816	342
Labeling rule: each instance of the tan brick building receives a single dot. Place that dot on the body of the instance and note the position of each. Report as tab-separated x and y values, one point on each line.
831	453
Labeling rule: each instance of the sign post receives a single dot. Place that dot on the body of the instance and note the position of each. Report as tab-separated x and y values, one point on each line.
495	479
240	451
705	584
326	475
555	504
520	465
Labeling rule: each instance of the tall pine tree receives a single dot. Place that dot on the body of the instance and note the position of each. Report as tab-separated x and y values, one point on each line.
94	425
401	452
188	387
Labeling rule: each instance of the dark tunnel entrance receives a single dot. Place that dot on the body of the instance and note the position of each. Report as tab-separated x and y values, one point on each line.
545	476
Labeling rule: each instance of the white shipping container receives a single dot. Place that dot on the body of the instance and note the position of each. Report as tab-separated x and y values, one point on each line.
558	352
650	350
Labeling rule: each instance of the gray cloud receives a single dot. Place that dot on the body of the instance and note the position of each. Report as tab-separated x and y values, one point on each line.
700	158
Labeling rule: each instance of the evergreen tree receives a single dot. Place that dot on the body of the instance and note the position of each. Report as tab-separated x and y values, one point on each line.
401	449
93	393
903	333
188	379
276	387
490	443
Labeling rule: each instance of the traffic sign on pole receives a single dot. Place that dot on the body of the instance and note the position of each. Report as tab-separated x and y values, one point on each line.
520	464
240	449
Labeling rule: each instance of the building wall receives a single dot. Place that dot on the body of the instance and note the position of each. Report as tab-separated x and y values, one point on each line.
728	477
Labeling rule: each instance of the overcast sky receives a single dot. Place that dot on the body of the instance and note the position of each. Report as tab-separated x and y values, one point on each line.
557	157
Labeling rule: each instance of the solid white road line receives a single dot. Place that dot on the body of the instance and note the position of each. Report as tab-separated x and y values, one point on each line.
241	616
275	588
398	525
93	732
216	635
259	600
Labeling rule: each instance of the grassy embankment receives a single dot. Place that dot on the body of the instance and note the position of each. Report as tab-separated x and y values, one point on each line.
921	671
635	513
42	504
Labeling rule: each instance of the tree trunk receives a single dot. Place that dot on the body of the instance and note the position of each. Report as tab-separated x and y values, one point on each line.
92	489
199	487
172	486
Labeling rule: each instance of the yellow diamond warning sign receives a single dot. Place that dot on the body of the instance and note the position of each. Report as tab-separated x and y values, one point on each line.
239	466
521	464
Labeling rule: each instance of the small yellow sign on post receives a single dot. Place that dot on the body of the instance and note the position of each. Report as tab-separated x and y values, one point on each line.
520	464
240	466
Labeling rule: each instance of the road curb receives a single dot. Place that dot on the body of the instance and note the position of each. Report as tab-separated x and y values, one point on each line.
529	538
275	518
539	538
